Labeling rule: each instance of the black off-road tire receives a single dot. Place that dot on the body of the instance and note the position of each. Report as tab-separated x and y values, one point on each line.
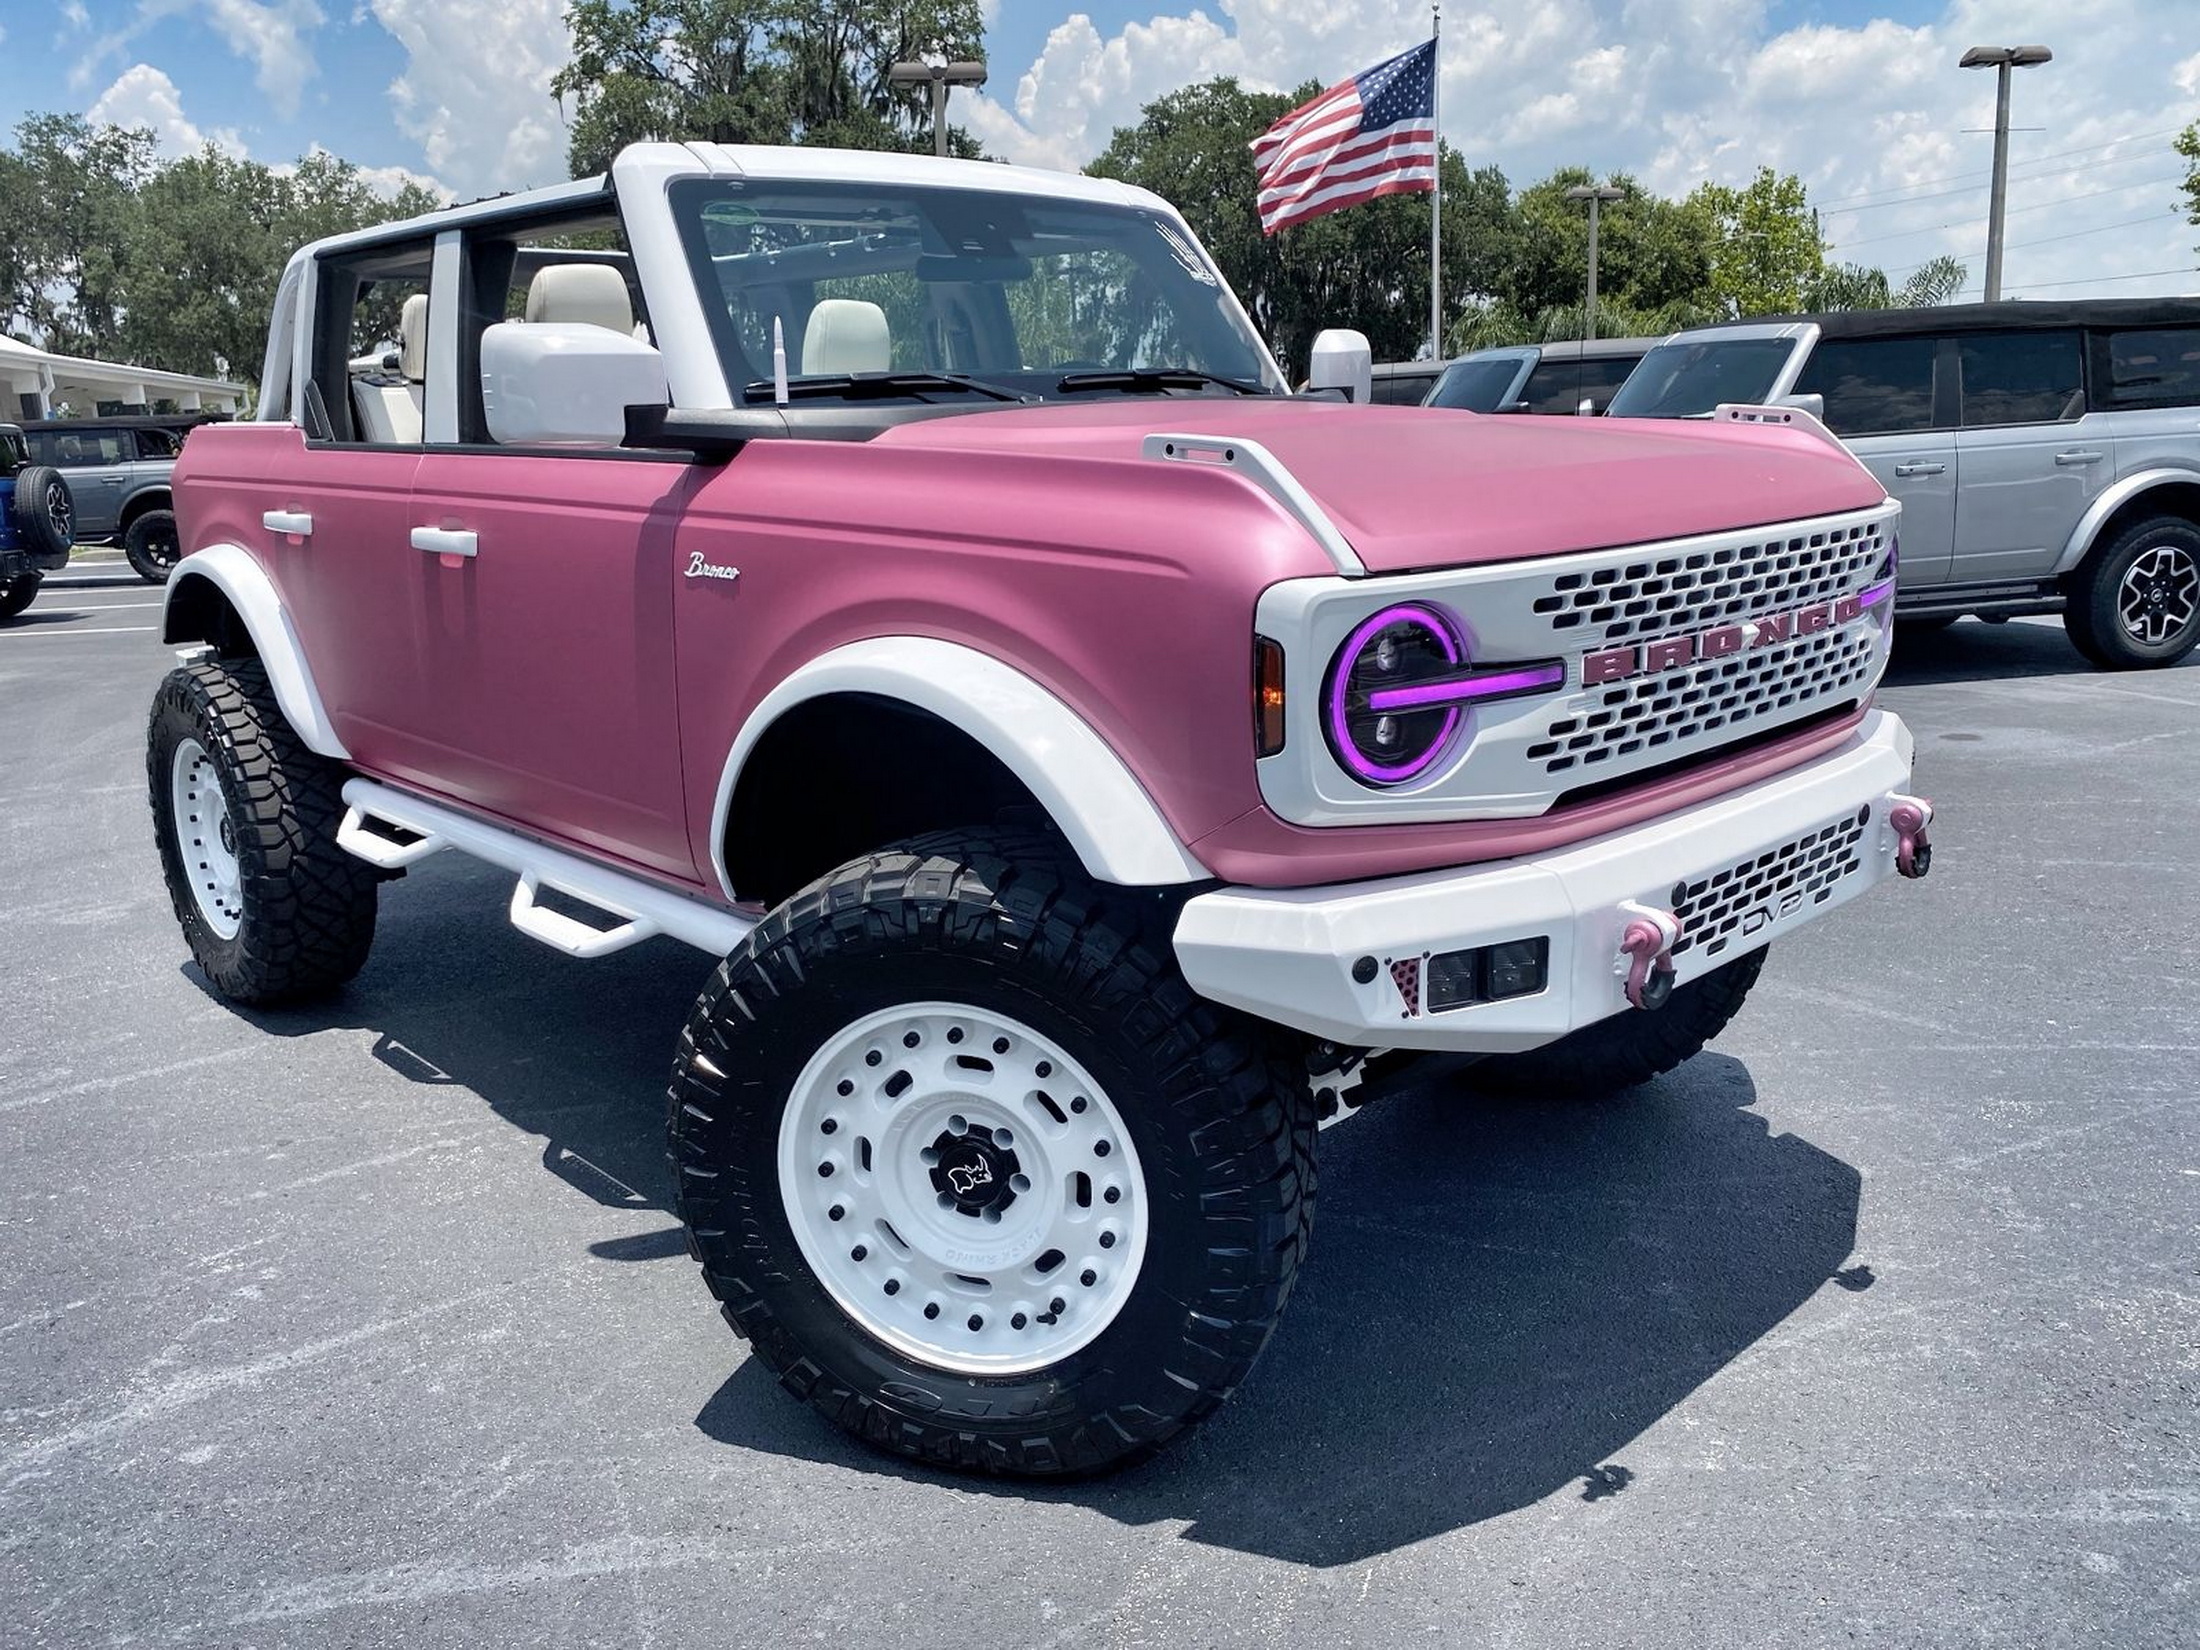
1631	1047
45	509
2096	626
152	546
307	907
1223	1132
17	593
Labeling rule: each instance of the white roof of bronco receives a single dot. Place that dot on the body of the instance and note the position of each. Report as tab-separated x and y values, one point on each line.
749	160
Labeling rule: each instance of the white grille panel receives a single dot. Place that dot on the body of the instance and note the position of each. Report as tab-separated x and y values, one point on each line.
1728	696
1716	585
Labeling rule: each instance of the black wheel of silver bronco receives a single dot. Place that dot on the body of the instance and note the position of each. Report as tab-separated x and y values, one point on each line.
246	818
1631	1047
974	1170
152	546
2135	601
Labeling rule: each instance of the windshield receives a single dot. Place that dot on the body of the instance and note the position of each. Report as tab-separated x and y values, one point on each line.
1691	380
1476	386
1009	292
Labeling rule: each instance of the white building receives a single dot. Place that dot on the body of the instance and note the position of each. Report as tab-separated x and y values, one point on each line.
35	384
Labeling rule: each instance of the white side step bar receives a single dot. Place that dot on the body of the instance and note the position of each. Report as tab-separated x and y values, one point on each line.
391	830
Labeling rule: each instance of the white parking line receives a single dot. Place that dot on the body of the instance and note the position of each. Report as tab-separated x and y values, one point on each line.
90	630
79	605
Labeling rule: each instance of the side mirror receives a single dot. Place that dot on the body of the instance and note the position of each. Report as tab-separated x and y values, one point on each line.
1815	405
1343	360
565	384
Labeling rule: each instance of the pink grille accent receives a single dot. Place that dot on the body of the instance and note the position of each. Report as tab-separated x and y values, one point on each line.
1406	976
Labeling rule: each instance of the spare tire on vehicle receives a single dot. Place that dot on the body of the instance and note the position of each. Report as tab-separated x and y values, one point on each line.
45	510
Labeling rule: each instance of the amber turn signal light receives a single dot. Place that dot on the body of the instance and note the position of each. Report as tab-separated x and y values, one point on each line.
1267	696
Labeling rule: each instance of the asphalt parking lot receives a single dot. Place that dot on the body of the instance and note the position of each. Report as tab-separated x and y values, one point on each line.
1878	1325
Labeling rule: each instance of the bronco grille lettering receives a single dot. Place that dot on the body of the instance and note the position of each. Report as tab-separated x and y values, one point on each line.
1618	664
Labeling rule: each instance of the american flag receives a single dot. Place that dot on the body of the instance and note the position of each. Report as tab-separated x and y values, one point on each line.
1374	134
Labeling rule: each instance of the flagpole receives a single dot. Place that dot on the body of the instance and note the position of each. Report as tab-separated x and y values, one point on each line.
1436	199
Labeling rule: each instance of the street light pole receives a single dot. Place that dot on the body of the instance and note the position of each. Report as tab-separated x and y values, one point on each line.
1596	195
939	76
2001	59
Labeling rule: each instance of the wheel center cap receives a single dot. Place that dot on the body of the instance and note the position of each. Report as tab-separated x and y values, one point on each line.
228	836
974	1172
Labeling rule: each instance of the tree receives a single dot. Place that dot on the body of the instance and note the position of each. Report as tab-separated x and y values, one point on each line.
755	71
1651	253
1933	283
210	237
105	250
66	197
1364	267
2187	145
1767	249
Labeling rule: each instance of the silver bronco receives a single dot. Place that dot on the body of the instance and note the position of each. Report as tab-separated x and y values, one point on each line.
2046	455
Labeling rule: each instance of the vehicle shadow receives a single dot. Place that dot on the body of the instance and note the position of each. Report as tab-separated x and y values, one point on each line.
577	1053
1501	1296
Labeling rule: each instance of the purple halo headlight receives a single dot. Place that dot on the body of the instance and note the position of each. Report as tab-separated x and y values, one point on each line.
1398	647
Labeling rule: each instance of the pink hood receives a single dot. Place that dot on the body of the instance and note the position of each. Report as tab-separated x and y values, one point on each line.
1415	487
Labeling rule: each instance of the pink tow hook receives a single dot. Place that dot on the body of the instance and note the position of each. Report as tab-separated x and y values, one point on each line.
1647	946
1909	816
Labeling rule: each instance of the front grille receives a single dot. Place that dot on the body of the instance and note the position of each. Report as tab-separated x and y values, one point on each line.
1711	586
1715	696
1740	900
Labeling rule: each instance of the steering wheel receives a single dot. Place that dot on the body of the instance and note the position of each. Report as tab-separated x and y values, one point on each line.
1080	366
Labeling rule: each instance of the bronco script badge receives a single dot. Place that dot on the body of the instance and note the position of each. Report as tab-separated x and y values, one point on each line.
700	568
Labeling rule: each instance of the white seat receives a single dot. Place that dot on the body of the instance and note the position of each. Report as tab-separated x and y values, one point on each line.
585	294
846	335
390	412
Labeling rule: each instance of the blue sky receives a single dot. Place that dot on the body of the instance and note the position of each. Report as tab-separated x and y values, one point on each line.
1861	97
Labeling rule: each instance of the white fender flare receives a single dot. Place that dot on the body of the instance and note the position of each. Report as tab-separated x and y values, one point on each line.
244	582
2112	499
1095	800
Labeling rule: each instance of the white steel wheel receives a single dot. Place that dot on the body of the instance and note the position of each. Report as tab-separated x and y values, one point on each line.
206	838
962	1188
2159	596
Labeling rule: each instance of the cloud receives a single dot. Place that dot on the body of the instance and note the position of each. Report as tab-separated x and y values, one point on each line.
475	92
142	96
271	34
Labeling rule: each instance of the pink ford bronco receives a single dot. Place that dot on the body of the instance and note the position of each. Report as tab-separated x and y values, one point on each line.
911	582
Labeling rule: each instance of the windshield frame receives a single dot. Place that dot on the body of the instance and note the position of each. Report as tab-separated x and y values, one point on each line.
1791	348
691	197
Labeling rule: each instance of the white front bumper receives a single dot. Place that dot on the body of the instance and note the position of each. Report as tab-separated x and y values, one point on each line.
1754	865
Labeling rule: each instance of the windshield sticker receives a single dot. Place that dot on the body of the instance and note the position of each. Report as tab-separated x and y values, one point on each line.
1187	255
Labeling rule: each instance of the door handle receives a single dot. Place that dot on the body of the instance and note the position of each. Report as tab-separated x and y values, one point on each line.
2078	457
1919	469
296	523
445	541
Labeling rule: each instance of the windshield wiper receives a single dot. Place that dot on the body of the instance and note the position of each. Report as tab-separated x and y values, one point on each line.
1153	381
863	386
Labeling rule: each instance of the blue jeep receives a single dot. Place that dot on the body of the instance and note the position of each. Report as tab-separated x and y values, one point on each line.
37	522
